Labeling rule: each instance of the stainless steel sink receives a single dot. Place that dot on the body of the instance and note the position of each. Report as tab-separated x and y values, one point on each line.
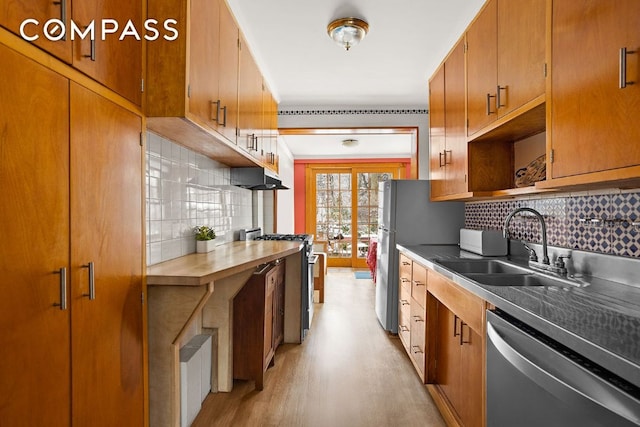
494	272
485	266
513	280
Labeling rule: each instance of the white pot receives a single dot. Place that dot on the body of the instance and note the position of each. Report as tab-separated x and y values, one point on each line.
203	246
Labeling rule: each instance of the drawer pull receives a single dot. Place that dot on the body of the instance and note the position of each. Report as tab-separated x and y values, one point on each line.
404	328
416	349
404	280
418	319
404	302
406	263
418	283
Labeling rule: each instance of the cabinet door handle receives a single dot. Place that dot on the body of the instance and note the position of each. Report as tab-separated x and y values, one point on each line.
489	96
450	157
63	14
224	116
416	349
622	82
216	109
92	281
455	326
92	52
498	98
441	155
63	289
462	340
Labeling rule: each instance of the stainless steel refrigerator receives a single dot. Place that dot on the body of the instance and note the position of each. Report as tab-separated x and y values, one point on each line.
407	216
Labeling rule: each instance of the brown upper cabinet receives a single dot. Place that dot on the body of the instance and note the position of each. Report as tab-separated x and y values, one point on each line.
505	60
209	95
448	161
115	63
595	92
460	169
13	13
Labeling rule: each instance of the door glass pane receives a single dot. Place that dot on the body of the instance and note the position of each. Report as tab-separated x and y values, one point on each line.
333	212
367	215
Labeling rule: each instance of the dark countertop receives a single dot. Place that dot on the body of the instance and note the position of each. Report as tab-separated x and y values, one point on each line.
601	321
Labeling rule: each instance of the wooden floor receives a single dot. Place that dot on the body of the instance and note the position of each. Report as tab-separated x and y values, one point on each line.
348	372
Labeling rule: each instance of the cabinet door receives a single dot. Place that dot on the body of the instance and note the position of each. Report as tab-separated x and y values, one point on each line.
521	53
249	99
593	124
482	68
34	219
204	61
448	354
14	12
106	230
437	133
270	288
278	328
455	155
113	62
470	405
228	83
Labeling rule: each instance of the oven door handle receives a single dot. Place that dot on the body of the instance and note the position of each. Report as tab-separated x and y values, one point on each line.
313	259
565	379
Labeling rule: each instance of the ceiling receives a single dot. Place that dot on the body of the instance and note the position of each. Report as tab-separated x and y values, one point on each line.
407	40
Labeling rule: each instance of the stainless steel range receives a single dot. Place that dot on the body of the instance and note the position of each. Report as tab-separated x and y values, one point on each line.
306	279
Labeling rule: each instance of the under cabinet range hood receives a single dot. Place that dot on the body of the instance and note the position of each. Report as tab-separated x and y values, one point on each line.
256	178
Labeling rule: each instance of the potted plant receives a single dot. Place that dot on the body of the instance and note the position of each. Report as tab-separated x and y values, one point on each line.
204	238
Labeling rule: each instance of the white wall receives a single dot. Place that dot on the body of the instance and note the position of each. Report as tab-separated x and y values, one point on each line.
284	219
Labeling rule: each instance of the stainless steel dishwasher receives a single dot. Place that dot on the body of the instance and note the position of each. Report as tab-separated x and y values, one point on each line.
535	381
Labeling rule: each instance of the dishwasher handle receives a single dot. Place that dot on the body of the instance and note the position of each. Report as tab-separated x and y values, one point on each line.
563	378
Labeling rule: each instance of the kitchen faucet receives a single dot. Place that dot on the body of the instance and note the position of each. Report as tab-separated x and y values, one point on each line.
558	267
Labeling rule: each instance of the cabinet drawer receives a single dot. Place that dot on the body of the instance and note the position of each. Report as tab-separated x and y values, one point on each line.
419	284
417	348
404	325
405	271
461	302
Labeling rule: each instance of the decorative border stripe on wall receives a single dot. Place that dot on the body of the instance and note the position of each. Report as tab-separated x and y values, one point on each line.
349	112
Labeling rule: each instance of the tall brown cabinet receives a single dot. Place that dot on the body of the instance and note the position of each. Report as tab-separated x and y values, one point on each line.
71	312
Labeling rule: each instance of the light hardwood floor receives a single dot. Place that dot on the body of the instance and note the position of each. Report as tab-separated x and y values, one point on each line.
348	372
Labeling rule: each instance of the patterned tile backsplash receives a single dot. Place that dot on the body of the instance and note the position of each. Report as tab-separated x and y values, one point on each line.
186	189
606	222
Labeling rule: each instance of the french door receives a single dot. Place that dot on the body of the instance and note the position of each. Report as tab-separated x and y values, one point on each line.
342	210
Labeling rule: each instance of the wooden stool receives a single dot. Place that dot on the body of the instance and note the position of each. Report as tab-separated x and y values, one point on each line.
319	272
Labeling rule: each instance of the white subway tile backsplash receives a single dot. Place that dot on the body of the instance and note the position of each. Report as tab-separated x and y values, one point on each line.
186	189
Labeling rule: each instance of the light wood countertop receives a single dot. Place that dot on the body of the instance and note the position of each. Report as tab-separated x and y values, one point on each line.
224	261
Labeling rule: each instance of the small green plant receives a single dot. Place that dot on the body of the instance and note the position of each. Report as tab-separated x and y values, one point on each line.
204	232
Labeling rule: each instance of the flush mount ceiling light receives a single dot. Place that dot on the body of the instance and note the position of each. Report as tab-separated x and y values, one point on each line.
347	32
349	142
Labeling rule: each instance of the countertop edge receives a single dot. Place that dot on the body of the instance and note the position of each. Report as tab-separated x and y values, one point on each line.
176	279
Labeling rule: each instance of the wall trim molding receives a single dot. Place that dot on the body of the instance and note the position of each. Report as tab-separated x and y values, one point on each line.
351	111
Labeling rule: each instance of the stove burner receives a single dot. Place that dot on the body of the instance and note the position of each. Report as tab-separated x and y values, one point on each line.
290	237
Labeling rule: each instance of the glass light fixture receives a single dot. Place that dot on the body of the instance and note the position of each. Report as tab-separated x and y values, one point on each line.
347	32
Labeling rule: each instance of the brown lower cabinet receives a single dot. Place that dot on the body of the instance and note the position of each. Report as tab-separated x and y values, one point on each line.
258	323
443	335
